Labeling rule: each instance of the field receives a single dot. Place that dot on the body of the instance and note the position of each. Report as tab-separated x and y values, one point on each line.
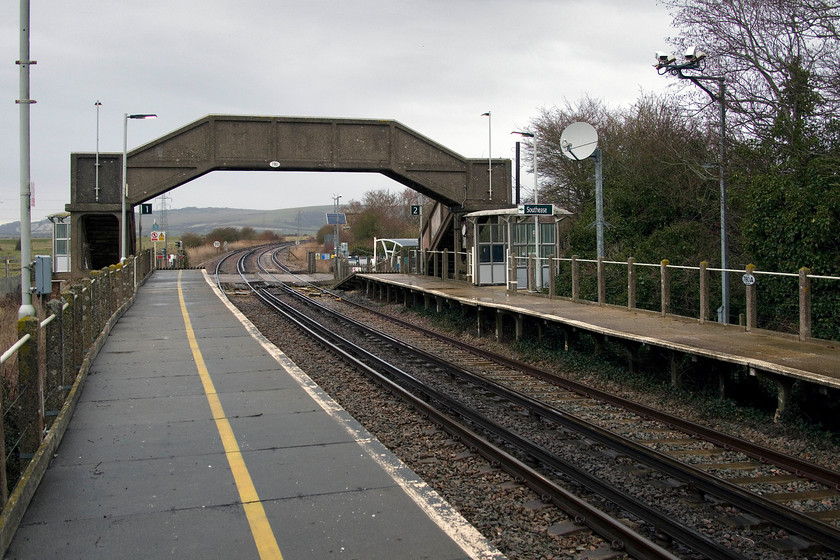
9	253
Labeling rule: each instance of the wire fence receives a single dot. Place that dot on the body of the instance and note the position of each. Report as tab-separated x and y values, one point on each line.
53	349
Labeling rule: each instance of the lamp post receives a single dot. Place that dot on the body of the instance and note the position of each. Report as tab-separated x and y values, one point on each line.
336	198
123	225
489	151
666	64
26	308
98	104
533	136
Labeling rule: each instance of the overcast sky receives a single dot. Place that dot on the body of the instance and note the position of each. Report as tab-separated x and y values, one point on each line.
433	65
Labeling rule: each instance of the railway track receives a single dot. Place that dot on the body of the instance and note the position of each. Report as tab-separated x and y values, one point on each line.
663	460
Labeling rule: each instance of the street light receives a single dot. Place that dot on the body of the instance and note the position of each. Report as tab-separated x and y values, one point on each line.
489	151
98	104
666	64
123	225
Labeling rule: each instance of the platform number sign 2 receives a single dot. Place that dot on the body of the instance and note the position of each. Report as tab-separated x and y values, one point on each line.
415	209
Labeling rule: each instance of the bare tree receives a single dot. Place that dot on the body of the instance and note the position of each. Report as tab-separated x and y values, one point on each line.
761	47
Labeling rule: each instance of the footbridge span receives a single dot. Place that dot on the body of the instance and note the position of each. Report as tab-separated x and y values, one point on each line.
254	143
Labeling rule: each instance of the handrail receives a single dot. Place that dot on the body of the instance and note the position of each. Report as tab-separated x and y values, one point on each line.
14	348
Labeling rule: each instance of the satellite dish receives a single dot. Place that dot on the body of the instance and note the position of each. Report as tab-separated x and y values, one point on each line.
578	141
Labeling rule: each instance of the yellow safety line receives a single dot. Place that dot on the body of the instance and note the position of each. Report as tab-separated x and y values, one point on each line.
260	528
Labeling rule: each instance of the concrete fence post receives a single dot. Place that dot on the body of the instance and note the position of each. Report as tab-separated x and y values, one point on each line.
704	292
117	286
632	283
804	303
54	353
752	301
69	335
101	302
28	411
77	309
108	294
665	284
602	282
87	313
575	279
4	483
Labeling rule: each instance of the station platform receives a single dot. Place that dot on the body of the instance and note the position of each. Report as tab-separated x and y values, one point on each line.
814	361
194	437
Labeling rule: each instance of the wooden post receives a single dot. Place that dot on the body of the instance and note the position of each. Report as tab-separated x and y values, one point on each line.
752	303
602	283
704	292
532	273
552	274
575	279
632	283
665	283
804	304
512	284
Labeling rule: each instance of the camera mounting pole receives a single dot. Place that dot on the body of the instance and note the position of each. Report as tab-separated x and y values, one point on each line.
694	58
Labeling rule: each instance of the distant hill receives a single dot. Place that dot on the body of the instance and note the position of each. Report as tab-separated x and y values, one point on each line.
285	221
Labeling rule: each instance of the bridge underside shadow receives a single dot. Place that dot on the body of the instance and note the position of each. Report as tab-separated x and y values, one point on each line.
242	143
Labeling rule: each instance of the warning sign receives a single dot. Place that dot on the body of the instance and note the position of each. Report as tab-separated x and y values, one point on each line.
157	236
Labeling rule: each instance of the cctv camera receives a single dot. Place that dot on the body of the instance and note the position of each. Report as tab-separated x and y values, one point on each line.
693	54
664	58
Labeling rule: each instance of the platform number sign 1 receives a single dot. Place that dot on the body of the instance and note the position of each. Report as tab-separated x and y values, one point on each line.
415	209
145	209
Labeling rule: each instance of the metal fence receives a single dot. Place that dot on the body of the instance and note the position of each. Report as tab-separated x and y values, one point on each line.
52	356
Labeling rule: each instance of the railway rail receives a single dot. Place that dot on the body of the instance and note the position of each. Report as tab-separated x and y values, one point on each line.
682	462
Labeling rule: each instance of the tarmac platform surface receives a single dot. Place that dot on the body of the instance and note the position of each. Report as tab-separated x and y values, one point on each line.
196	438
816	361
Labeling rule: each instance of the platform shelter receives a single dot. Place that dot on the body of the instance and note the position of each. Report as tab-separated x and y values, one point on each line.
499	241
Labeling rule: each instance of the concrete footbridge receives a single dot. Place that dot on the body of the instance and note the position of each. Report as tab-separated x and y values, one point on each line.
271	144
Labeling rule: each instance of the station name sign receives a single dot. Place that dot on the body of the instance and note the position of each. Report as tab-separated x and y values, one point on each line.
536	209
